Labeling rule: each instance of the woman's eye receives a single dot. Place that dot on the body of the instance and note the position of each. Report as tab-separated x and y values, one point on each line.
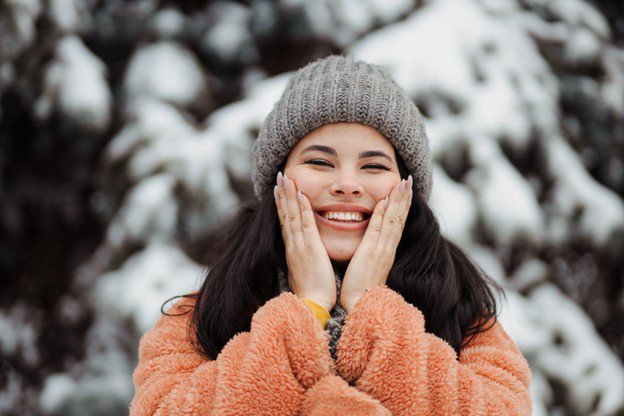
376	167
318	162
324	163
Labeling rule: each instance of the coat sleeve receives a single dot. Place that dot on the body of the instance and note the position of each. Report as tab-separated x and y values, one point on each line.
264	371
385	351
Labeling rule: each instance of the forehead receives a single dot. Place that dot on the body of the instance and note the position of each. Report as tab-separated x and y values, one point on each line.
346	138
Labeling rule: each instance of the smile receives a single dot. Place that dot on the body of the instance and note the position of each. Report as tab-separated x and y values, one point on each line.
343	225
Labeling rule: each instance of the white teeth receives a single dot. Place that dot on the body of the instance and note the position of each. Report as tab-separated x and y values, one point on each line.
344	216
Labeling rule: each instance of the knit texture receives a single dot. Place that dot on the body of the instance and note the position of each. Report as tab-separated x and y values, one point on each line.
339	89
338	314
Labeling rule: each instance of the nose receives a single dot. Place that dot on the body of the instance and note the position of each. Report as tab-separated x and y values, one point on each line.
346	186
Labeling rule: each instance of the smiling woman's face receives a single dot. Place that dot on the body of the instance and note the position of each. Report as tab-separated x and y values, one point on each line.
343	163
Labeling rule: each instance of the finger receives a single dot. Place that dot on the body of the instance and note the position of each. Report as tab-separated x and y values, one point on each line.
403	197
282	210
391	225
371	235
404	204
308	223
294	212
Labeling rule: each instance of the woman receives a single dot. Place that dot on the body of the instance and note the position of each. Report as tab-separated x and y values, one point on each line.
338	295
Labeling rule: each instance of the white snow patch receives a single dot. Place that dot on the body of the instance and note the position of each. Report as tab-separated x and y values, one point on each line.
137	290
148	213
168	22
24	15
229	37
583	362
454	206
149	121
57	388
20	326
66	14
165	71
343	21
581	13
75	83
506	200
603	210
485	65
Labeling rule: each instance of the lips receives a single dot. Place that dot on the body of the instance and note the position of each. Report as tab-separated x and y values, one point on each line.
344	208
342	226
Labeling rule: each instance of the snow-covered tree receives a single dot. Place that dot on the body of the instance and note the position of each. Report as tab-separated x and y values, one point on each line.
125	138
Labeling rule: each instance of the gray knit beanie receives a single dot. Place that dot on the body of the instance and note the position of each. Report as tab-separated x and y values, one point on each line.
338	89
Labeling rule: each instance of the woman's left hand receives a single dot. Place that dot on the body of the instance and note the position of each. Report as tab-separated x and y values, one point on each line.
373	259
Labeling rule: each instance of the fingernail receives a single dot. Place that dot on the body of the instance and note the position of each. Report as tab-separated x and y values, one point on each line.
275	192
410	181
286	183
387	200
402	186
280	179
299	196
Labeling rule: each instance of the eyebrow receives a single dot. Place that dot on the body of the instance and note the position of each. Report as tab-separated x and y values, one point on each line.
332	151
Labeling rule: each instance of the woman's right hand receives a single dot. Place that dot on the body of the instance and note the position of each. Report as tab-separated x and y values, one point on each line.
310	272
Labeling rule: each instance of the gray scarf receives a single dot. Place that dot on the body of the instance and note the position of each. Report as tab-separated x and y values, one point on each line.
338	315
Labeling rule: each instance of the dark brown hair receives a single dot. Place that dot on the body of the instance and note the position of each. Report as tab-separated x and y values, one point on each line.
454	294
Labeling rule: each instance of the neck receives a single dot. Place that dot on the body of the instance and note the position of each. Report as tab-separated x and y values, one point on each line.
340	267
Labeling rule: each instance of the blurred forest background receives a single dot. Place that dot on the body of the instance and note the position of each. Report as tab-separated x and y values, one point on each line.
125	137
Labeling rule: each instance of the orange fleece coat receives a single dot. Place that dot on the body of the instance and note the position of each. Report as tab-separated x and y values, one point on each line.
386	365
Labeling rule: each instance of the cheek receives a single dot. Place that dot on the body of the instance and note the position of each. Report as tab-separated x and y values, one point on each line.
308	185
390	183
381	190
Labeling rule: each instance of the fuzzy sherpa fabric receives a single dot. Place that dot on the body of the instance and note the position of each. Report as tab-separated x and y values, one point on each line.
337	314
339	89
386	365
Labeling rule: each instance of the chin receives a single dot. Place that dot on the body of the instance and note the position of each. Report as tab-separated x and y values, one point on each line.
340	259
340	251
